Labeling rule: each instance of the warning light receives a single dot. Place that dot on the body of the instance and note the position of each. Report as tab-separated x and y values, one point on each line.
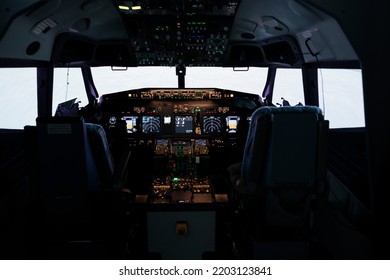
124	8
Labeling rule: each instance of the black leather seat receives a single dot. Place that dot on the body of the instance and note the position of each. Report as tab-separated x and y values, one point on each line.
282	173
77	179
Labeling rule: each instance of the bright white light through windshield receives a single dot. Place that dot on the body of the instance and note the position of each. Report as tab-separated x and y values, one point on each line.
341	93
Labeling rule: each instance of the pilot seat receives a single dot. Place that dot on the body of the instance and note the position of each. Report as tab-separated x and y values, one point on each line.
281	176
78	186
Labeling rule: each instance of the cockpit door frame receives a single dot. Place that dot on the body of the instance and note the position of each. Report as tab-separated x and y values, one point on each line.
45	77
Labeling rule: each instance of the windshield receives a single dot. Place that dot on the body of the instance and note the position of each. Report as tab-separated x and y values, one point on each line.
341	91
251	81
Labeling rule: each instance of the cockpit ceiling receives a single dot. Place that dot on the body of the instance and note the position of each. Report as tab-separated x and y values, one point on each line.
170	33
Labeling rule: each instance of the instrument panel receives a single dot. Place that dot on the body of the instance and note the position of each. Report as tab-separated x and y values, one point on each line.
163	122
189	134
159	113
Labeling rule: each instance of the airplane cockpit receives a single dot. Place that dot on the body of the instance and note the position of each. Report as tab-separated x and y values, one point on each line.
179	144
195	169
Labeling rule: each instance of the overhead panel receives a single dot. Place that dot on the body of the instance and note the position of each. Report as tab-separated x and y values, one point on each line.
168	33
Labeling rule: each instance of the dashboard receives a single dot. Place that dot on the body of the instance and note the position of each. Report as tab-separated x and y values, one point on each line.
189	134
162	114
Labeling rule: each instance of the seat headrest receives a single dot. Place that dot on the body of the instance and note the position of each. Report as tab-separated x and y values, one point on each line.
270	110
73	119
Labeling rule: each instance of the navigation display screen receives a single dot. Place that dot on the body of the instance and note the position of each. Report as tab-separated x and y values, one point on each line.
151	124
184	124
212	124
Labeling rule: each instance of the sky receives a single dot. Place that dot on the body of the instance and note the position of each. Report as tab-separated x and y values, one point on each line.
341	94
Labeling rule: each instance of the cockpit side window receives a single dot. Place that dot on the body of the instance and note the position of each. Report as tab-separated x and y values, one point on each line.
18	97
68	84
288	87
341	97
340	94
